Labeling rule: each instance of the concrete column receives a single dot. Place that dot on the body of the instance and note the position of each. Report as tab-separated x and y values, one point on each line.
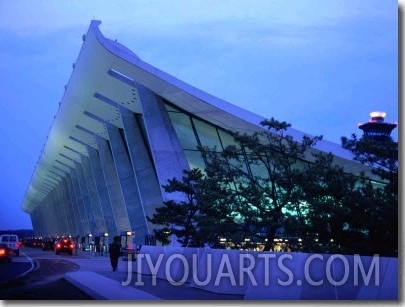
77	212
70	206
93	197
102	191
64	204
60	207
53	216
145	175
80	202
45	213
55	212
48	217
82	184
58	185
129	187
167	153
113	185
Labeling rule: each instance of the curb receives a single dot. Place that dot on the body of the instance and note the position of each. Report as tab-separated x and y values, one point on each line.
103	288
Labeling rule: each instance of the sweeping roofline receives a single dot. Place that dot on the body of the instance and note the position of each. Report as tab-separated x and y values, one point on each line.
178	92
248	116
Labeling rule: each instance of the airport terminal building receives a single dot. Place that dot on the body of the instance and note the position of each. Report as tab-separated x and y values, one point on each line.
123	128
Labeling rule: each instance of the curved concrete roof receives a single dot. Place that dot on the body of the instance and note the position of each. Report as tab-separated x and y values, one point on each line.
106	71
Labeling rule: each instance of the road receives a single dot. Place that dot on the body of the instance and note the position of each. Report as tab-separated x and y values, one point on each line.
16	268
45	280
38	275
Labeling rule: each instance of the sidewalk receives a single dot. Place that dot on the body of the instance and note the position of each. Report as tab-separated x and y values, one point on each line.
96	278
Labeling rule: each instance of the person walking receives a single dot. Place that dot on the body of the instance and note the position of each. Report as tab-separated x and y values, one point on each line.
115	252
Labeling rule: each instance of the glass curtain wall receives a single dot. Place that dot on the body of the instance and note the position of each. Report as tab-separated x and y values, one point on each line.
194	132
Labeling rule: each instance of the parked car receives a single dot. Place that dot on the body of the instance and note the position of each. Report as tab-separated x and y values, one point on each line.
5	253
64	245
12	242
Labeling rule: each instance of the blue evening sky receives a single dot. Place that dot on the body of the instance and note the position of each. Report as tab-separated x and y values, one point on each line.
322	66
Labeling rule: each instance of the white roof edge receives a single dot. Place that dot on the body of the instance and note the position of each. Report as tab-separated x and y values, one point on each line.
254	119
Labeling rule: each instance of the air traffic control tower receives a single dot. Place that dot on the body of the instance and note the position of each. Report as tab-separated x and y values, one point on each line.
376	128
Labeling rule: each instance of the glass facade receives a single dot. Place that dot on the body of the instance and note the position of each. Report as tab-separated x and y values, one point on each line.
194	132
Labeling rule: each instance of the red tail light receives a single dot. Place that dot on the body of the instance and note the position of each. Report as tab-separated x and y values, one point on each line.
72	246
2	252
58	245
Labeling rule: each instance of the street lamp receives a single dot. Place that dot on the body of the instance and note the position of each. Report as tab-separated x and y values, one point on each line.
105	241
128	234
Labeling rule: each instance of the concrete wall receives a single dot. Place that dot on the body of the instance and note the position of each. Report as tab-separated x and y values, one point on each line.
273	276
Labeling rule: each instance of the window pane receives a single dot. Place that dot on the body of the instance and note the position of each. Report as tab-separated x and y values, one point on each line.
195	159
259	170
227	139
169	108
184	131
207	134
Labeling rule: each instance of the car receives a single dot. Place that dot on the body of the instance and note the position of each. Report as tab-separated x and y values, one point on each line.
33	242
64	245
48	244
5	253
12	242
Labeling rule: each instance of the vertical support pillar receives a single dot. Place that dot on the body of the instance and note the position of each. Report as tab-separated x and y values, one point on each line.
86	198
80	202
127	183
71	208
113	186
168	156
102	191
65	204
145	175
93	197
55	211
60	206
77	212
